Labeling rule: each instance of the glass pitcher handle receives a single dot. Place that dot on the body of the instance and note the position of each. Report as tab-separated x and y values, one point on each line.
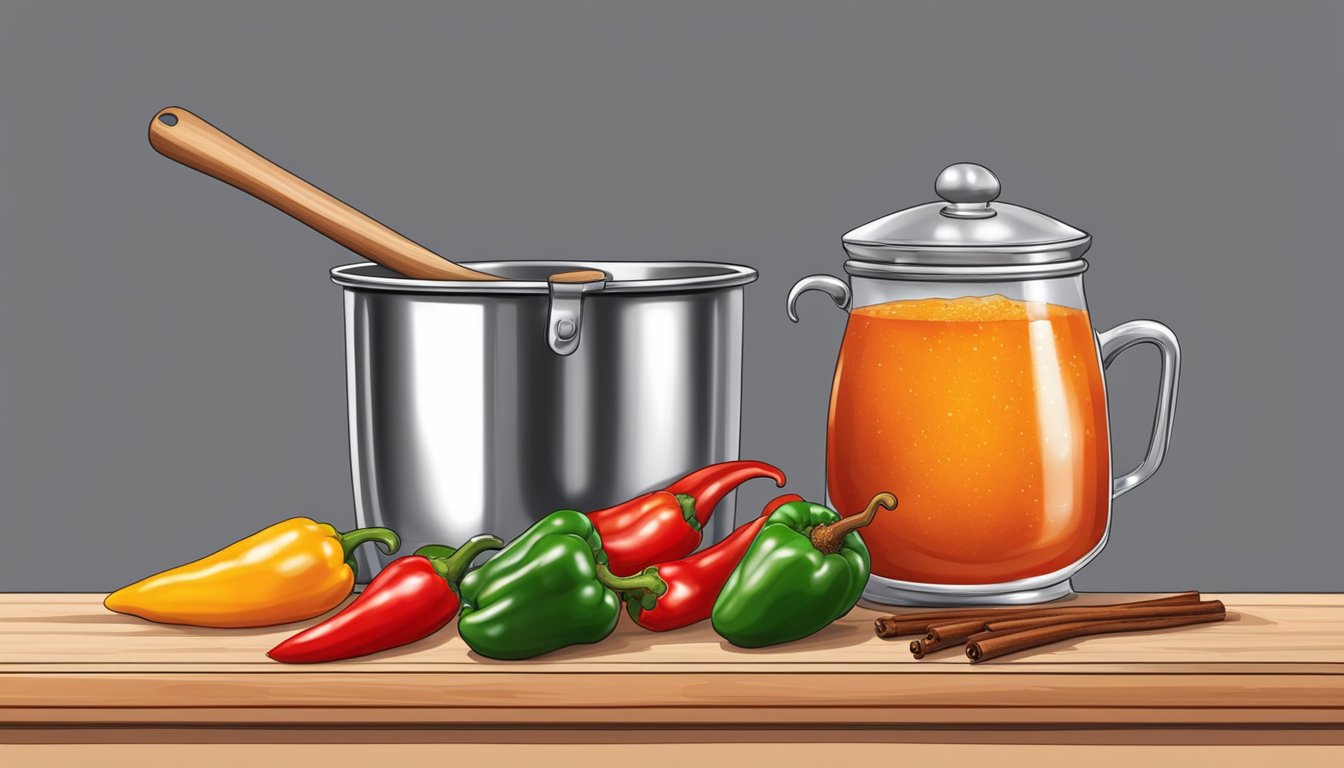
834	287
1117	340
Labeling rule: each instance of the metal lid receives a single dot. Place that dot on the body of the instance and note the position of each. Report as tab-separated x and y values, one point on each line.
971	228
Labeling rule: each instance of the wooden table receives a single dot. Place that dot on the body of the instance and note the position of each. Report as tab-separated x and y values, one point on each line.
80	683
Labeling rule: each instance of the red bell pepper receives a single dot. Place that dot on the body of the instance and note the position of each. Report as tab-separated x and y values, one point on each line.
413	597
666	525
693	584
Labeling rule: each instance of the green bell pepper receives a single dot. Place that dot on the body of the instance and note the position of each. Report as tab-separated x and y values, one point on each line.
548	589
806	568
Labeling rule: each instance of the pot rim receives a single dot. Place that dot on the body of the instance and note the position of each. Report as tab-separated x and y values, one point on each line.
717	275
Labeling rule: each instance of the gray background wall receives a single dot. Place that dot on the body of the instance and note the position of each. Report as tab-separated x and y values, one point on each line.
171	372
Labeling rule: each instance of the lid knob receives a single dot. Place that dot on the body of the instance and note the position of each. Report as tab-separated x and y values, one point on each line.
968	188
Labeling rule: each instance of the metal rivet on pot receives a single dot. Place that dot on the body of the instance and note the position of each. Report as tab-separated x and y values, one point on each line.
566	312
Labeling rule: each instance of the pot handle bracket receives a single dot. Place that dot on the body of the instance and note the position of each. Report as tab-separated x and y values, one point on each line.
564	319
834	287
1121	338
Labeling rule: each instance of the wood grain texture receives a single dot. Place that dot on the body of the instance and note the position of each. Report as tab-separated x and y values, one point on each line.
782	735
673	754
1277	662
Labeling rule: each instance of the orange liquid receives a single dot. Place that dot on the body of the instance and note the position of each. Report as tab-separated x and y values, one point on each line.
987	418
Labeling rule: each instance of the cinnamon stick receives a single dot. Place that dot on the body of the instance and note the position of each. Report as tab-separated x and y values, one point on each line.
888	627
1106	613
945	632
995	644
957	631
919	648
901	624
960	630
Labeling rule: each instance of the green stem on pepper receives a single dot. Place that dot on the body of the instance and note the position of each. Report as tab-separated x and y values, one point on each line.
708	486
645	586
412	598
452	567
828	538
687	502
666	525
350	540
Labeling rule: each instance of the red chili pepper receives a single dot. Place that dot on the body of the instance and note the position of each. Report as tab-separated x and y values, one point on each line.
413	597
693	583
666	525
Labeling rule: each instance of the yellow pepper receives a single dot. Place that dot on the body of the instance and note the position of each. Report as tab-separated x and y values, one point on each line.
293	570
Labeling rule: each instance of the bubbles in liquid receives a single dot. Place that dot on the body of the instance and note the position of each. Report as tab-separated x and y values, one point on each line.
976	414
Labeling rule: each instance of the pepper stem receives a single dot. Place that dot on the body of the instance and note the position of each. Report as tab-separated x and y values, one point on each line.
687	502
386	537
645	587
709	485
435	551
453	567
828	538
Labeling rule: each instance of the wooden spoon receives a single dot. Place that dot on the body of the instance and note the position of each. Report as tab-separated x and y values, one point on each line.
180	135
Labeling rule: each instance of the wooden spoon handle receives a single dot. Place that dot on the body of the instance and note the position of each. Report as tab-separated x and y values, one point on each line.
182	136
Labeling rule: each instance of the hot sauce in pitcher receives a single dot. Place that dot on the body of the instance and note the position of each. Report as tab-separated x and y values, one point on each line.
989	414
970	384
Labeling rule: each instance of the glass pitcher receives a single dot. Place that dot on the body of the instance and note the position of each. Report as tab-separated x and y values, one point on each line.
969	383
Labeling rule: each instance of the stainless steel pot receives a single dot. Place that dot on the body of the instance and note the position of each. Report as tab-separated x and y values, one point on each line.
482	406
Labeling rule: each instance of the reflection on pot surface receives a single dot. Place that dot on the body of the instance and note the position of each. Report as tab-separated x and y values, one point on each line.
467	416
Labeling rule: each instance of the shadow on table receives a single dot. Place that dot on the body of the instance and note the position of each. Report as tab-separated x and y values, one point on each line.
147	627
630	640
